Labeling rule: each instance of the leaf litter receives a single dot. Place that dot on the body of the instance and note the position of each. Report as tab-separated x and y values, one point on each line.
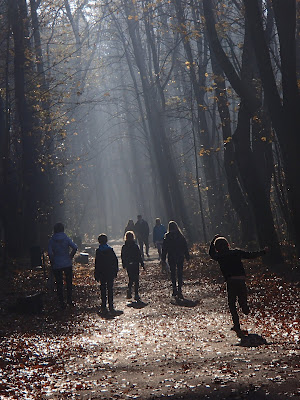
155	351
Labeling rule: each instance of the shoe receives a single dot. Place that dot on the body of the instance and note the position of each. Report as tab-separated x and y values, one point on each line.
137	297
180	296
239	332
104	310
112	311
129	295
173	298
148	255
242	333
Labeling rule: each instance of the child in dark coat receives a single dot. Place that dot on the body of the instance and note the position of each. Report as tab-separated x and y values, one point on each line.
175	246
131	260
106	270
230	261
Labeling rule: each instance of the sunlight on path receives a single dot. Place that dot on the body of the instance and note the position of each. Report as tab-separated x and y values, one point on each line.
151	350
163	349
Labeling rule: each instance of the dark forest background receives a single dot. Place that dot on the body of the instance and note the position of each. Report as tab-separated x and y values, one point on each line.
184	110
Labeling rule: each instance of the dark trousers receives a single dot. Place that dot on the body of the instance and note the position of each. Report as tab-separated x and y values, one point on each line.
176	268
143	241
159	248
133	271
106	289
237	290
58	274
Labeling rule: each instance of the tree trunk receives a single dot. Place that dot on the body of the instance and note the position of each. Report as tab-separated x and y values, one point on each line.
255	188
214	192
28	173
285	116
249	105
236	194
171	191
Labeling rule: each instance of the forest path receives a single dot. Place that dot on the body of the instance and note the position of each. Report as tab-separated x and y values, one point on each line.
152	350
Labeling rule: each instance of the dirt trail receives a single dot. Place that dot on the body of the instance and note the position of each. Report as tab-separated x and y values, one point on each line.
151	350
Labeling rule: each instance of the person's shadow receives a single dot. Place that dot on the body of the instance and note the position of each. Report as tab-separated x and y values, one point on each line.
110	315
185	302
137	304
252	340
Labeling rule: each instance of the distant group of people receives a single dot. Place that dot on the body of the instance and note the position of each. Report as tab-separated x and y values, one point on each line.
171	245
141	231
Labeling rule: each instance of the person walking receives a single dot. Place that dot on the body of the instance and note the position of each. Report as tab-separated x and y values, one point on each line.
159	232
106	270
129	226
61	262
175	247
131	261
230	262
141	230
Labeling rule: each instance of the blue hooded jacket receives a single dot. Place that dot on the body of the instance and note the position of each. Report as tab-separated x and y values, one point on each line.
159	233
59	250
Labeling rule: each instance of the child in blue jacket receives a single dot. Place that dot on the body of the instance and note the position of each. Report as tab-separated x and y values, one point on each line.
61	261
159	232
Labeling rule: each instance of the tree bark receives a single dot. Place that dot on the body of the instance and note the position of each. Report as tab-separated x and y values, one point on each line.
237	197
28	173
249	105
284	114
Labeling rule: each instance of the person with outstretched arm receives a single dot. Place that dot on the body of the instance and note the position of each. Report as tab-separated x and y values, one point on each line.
230	262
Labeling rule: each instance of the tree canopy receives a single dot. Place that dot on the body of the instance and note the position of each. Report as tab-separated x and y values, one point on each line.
186	110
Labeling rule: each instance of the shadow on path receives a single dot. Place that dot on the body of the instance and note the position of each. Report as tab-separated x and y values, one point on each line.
225	393
110	315
137	304
252	340
185	302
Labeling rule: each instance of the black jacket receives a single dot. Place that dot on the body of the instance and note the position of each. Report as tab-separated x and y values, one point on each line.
175	246
130	254
230	261
106	264
141	229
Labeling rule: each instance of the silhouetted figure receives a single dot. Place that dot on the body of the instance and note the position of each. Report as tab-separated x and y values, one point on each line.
129	226
159	231
175	246
230	261
61	261
106	270
141	230
131	261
